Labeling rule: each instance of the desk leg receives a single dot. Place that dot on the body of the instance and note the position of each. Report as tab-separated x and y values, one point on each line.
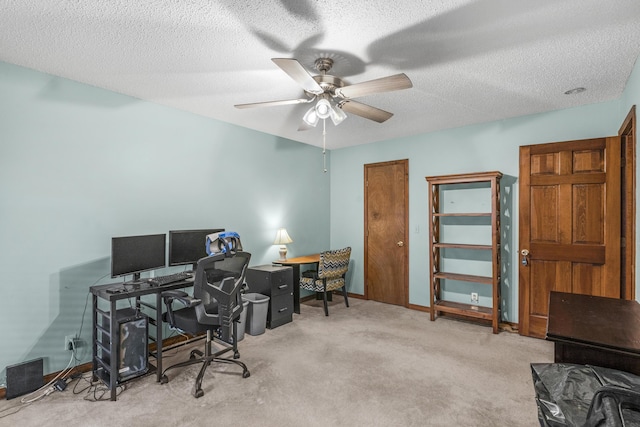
159	336
296	288
94	333
113	350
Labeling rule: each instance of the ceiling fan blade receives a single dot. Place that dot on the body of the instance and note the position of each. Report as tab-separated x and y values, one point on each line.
297	72
366	111
275	103
384	84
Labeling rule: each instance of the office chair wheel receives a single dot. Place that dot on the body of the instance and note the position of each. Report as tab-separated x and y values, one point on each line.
164	379
246	374
236	355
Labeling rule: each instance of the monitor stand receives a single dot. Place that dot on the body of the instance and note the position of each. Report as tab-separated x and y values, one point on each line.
194	267
135	282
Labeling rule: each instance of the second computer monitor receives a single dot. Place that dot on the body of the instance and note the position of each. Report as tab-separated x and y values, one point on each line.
188	246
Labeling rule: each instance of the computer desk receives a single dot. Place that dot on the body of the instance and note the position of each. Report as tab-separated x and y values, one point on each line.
295	263
102	292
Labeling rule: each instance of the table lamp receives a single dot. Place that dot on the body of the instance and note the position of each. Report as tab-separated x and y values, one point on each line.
282	238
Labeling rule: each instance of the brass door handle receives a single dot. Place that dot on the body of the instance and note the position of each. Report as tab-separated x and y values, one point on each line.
400	243
525	254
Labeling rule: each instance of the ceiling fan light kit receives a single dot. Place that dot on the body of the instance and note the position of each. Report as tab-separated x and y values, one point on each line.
323	110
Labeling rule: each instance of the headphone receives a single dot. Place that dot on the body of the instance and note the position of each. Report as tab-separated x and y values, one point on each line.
225	242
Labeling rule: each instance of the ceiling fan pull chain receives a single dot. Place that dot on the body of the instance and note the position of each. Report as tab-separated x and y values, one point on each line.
324	145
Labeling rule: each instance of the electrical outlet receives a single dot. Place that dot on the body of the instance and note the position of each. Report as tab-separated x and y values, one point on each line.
70	342
474	297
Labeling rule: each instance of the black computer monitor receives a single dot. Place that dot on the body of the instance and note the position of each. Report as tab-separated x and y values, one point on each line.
135	254
188	246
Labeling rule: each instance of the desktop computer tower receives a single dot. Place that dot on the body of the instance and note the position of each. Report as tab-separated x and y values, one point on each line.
132	345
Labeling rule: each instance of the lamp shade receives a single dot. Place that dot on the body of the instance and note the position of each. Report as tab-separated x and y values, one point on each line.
323	108
311	117
282	237
337	115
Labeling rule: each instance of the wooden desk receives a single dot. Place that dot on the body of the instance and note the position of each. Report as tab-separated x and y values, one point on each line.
295	263
594	330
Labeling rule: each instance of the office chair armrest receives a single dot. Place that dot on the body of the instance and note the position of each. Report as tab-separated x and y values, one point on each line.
181	296
174	293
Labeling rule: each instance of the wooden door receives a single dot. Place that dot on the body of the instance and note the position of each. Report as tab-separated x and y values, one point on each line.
569	224
628	206
386	245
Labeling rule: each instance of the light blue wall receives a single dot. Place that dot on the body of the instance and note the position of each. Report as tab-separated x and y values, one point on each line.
79	165
483	147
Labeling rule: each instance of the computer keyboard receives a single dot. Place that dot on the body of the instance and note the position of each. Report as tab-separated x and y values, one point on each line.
170	278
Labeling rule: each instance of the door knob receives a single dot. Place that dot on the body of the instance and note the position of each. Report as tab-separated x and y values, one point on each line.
525	254
400	243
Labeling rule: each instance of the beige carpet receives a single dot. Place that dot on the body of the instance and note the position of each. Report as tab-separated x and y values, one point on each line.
368	365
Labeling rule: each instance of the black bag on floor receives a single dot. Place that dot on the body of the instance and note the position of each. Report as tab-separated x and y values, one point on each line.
583	395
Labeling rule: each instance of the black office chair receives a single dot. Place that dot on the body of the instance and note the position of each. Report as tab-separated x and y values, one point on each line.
214	308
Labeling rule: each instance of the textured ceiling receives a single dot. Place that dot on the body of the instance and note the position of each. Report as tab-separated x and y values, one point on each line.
469	61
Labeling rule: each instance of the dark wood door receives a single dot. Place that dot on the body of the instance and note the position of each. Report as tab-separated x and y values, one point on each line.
569	224
628	206
386	232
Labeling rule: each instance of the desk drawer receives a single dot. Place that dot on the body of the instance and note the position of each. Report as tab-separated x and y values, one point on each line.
282	282
280	310
270	280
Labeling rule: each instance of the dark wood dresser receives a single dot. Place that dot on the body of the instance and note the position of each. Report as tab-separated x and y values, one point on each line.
593	330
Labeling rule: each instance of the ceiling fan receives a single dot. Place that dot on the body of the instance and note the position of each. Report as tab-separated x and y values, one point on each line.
332	95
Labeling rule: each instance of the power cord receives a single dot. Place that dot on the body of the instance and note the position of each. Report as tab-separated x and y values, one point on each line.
94	390
86	304
43	391
59	382
48	388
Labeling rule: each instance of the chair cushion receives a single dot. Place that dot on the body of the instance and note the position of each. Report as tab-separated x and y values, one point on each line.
332	267
186	320
316	286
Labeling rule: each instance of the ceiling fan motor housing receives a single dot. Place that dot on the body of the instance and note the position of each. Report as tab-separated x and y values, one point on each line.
328	83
